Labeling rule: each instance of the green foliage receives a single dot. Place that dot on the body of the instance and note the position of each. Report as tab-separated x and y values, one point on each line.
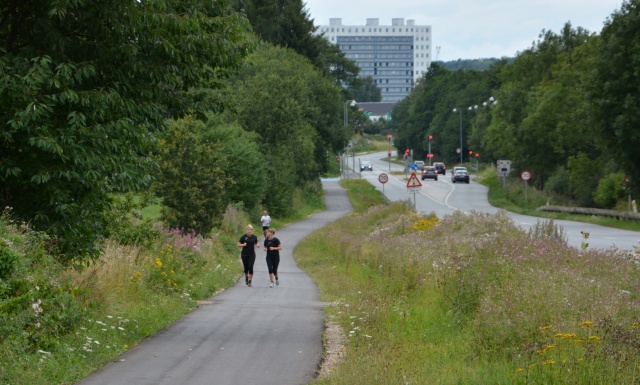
584	174
192	181
126	225
559	182
616	89
244	161
609	190
80	107
367	91
36	304
296	111
483	64
287	24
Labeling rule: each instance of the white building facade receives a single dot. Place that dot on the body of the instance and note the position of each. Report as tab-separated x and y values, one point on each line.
395	55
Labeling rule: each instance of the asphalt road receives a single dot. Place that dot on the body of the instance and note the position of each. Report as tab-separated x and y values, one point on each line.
244	335
444	197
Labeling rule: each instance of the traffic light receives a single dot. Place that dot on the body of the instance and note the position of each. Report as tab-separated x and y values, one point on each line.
470	152
430	138
338	159
477	155
389	138
406	154
389	153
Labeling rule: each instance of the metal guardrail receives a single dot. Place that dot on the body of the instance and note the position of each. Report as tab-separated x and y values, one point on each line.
591	211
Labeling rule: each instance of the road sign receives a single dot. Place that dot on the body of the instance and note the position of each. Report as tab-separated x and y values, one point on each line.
383	178
413	184
525	176
504	167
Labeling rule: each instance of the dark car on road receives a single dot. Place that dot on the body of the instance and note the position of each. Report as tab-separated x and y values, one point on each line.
460	174
429	172
442	169
366	165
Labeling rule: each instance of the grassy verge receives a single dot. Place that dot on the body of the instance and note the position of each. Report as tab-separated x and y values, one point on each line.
512	195
59	324
471	300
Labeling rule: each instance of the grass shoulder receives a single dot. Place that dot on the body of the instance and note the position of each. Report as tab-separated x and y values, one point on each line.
464	300
513	195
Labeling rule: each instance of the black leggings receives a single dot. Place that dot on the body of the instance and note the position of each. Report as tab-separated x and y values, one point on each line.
272	264
247	262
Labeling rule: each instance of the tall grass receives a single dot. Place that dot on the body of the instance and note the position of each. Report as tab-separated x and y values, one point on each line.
472	299
60	323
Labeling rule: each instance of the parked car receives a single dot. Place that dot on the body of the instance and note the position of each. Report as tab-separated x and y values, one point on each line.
366	165
460	174
419	163
429	172
442	169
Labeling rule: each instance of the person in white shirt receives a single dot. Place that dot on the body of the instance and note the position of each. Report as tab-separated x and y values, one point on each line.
266	222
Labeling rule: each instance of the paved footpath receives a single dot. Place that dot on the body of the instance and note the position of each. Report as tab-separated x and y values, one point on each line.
244	335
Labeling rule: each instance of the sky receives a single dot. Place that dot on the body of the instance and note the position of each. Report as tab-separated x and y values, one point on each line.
472	29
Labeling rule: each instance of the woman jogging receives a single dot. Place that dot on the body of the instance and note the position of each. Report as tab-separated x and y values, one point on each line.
266	222
248	242
272	246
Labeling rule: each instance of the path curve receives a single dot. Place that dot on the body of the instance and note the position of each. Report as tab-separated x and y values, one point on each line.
244	335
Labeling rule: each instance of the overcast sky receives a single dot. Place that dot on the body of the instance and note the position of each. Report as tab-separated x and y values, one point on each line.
472	29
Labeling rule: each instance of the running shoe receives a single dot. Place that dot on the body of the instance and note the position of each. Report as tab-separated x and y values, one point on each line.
277	282
271	284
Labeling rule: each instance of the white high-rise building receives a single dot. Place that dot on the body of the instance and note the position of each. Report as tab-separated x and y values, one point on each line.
395	55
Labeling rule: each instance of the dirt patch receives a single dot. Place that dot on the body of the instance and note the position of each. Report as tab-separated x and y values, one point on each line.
334	348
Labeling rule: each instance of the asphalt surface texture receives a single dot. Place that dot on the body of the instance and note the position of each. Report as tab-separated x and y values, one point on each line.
244	335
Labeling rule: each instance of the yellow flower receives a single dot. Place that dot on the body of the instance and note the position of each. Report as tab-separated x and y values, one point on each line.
549	362
545	328
520	370
595	339
586	324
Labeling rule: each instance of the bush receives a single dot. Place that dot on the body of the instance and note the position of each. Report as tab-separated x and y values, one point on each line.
559	182
609	190
192	181
126	225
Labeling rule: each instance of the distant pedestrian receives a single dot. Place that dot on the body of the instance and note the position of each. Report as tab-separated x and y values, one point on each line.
249	243
272	246
266	222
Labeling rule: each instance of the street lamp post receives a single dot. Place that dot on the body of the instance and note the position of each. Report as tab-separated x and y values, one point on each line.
460	111
348	103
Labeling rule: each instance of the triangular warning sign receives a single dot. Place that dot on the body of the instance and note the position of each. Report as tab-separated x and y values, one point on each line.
413	181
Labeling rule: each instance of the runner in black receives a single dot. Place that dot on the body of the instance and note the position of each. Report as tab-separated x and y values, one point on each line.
248	242
272	246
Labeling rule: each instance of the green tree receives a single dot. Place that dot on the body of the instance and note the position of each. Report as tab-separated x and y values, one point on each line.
547	115
287	24
84	89
616	91
192	182
367	91
245	163
297	112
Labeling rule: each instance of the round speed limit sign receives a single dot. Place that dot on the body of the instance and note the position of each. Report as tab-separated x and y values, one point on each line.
383	178
525	176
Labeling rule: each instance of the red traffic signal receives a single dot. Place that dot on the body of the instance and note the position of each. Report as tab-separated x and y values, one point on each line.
338	159
477	155
389	153
430	137
389	138
470	152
